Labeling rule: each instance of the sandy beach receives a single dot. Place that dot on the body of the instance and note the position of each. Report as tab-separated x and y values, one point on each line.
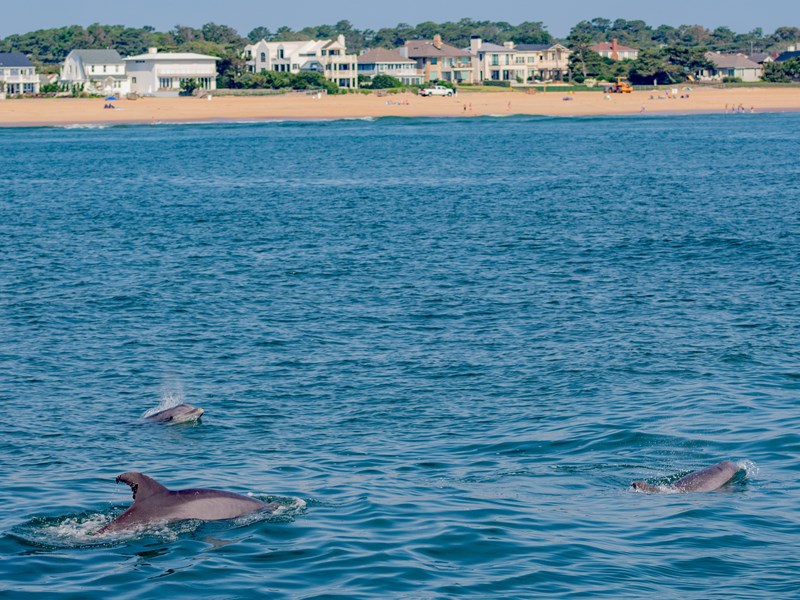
67	111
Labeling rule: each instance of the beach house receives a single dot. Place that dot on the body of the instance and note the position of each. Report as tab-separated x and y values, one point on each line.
615	51
520	63
380	61
493	62
437	60
95	71
328	57
162	73
544	62
732	65
17	74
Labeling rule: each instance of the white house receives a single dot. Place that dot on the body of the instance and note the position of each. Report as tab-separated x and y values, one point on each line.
17	74
97	71
732	65
615	51
493	62
523	62
380	61
328	57
163	72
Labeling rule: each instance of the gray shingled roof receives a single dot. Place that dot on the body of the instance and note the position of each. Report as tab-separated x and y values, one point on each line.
14	59
98	57
382	55
759	57
731	61
489	47
425	49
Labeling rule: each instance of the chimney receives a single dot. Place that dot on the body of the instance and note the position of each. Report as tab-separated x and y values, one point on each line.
614	49
152	50
509	45
340	39
437	41
475	43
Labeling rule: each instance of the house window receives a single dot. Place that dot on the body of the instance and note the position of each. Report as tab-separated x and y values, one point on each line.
104	68
263	57
133	80
280	53
495	60
434	60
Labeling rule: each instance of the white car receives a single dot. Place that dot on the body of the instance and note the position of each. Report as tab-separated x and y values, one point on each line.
437	90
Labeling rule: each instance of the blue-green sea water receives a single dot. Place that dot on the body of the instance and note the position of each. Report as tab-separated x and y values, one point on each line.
445	347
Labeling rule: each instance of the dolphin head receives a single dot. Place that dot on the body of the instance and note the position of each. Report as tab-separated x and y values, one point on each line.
641	486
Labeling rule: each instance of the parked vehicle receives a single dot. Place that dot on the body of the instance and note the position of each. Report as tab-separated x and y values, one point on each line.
621	87
436	90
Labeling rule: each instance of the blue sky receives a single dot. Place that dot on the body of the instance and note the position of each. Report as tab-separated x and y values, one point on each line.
559	16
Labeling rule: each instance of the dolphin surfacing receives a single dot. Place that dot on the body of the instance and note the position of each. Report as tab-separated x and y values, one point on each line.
705	480
152	502
182	413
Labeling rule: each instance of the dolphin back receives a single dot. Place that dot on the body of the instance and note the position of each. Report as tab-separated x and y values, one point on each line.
708	479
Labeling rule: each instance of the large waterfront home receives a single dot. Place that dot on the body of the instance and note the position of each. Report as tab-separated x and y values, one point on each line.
328	57
437	60
492	62
95	71
520	63
17	74
732	65
544	62
164	72
615	51
380	61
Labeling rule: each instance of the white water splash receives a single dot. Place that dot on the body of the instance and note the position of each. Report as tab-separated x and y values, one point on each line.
750	468
171	395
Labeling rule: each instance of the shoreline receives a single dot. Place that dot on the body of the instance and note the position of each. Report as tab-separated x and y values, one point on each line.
87	112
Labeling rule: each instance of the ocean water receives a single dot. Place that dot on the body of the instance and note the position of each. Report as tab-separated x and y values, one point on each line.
444	347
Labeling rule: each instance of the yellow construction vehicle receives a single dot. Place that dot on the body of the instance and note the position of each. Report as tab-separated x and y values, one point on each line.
621	87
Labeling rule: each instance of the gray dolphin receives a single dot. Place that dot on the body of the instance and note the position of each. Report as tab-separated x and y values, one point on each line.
182	413
705	480
152	502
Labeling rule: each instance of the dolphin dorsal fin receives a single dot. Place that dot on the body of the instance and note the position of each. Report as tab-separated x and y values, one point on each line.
142	486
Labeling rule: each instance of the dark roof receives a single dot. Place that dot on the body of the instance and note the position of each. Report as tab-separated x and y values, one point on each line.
382	55
425	49
98	57
787	56
14	59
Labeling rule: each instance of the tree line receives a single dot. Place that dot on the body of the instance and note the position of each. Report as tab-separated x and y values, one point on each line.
668	53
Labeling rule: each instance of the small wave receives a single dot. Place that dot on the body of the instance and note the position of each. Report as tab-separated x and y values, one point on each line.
84	126
71	531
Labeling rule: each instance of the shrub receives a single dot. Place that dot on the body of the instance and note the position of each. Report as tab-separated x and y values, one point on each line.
383	82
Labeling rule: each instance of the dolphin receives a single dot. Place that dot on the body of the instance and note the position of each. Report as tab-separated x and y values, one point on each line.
182	413
705	480
152	502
